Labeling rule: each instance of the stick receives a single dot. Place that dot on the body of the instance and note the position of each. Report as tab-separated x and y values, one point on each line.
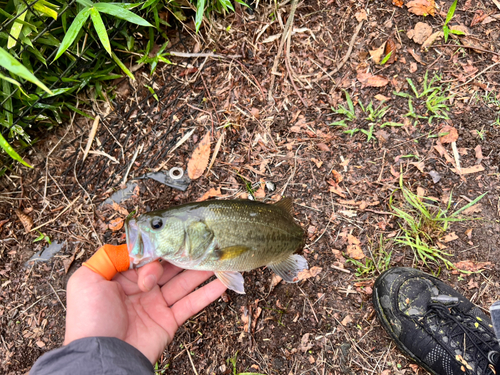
54	219
477	75
351	45
92	133
289	69
280	49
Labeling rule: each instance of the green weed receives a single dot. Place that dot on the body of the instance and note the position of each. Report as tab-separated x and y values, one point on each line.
372	116
378	262
233	361
449	16
423	224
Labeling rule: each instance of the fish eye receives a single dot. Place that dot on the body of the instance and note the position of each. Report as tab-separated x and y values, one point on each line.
156	223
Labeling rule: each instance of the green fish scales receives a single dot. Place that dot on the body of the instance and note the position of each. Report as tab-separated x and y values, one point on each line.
221	236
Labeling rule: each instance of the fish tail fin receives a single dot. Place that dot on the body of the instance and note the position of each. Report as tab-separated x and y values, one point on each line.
232	279
289	269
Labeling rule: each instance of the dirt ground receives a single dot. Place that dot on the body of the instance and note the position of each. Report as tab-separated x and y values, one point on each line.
341	182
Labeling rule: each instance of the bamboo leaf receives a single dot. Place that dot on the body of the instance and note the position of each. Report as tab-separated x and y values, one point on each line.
122	66
73	31
200	9
11	152
15	67
121	13
100	29
16	28
42	8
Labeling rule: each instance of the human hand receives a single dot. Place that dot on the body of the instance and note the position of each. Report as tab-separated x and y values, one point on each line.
143	307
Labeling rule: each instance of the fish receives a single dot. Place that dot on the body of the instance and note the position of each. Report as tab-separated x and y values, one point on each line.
224	236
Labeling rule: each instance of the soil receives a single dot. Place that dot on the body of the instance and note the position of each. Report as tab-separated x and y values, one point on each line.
341	184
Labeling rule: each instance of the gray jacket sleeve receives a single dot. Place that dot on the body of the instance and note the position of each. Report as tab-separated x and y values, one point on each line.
93	355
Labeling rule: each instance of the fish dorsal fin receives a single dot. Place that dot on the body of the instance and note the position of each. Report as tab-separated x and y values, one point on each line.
286	204
230	252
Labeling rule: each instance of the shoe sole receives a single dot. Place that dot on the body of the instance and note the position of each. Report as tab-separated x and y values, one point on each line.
388	329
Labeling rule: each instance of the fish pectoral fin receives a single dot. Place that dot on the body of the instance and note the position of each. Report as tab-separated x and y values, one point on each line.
230	252
232	279
289	269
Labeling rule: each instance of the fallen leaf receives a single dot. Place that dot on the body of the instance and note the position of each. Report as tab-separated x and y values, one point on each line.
421	32
479	153
369	80
120	209
468	233
415	56
378	54
318	163
25	220
40	344
390	47
353	248
451	134
430	40
211	193
382	98
255	112
398	3
337	176
450	237
306	274
336	190
275	280
322	147
413	67
361	15
468	170
414	367
467	265
346	320
420	192
478	207
68	262
422	7
420	165
199	160
305	345
116	224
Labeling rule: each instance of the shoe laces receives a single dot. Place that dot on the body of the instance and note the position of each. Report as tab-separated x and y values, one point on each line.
461	328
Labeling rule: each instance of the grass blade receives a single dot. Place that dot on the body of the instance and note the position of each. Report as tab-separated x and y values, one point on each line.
11	152
15	67
469	204
100	29
121	13
200	9
73	31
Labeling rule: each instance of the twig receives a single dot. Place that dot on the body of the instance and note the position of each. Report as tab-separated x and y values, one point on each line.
216	151
139	149
477	75
288	25
92	133
54	219
57	295
467	46
203	54
349	50
289	69
455	154
191	360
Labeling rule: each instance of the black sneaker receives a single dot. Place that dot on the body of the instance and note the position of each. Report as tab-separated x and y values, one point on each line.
434	325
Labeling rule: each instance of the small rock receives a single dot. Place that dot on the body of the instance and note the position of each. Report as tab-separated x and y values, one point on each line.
436	177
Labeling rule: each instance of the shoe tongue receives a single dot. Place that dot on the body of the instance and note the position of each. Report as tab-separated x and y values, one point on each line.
415	296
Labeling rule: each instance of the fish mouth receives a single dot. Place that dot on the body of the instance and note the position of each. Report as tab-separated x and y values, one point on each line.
140	249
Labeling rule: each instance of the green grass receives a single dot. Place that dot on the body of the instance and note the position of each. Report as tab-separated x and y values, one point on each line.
424	224
371	117
378	261
233	362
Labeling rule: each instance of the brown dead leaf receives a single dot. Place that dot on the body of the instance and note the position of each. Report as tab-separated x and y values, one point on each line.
398	3
116	224
199	160
420	165
422	7
467	265
390	47
415	56
25	220
306	274
255	112
479	153
369	80
120	209
361	15
420	33
469	170
450	237
430	40
322	146
337	176
468	233
318	163
336	190
378	54
478	207
451	136
305	345
382	98
40	344
346	320
413	67
68	262
353	248
211	193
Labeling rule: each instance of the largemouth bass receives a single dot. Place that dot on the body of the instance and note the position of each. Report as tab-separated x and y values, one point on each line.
226	237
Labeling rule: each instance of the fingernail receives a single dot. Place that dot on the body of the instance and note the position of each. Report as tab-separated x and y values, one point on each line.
149	282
